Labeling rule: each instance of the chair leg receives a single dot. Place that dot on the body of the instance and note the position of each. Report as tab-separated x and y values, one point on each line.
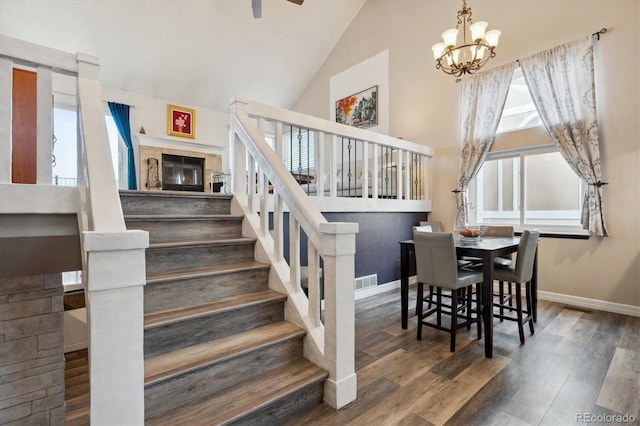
439	306
519	311
419	302
430	296
468	293
454	319
529	306
479	309
501	296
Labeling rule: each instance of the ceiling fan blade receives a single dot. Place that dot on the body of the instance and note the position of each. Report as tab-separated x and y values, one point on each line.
256	5
298	2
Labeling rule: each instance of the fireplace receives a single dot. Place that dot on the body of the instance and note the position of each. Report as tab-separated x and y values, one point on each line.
182	173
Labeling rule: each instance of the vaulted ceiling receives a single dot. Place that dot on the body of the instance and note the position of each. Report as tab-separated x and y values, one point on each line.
196	52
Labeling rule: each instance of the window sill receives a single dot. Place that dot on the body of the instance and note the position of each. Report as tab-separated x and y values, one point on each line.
572	235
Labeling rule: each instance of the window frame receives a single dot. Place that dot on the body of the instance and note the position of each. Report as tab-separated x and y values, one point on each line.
521	223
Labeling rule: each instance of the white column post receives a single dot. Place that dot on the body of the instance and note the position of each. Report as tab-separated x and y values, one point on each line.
116	321
294	250
338	253
106	210
237	151
333	165
278	227
6	106
44	84
365	169
313	284
375	175
320	167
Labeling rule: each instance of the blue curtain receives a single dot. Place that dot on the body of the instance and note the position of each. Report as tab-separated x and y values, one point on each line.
120	113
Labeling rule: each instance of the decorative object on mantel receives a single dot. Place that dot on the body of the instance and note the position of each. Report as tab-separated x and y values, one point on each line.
359	110
468	57
153	180
142	131
181	121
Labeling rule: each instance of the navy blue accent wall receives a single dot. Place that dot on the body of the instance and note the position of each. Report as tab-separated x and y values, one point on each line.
377	248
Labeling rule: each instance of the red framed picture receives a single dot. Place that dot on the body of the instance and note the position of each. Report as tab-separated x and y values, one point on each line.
181	122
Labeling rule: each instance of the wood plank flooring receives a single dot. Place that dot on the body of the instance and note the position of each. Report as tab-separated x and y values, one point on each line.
577	362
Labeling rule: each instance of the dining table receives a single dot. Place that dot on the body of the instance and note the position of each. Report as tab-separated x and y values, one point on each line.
485	248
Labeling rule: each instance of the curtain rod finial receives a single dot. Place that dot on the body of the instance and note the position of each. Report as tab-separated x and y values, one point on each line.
599	33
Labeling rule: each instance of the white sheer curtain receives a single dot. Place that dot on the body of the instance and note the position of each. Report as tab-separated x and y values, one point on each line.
482	101
561	83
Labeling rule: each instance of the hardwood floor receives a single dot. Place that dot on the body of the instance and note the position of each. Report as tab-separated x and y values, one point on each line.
577	362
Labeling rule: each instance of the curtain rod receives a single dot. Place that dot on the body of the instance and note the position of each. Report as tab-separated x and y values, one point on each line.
596	34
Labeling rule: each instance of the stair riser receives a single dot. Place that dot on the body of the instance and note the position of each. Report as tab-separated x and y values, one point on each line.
285	409
161	231
176	293
160	340
164	396
179	258
141	204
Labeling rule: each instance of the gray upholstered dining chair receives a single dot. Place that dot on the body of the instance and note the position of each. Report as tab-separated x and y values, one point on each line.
435	226
501	231
437	266
431	226
518	275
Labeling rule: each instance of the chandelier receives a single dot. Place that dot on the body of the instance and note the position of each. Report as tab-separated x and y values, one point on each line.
468	57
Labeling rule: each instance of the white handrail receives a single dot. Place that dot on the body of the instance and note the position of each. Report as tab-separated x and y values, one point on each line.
257	109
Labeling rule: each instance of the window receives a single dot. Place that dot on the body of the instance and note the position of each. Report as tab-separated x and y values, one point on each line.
118	152
524	187
65	146
528	184
299	148
519	109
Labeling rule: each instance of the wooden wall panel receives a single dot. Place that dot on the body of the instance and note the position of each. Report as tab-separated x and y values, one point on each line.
25	127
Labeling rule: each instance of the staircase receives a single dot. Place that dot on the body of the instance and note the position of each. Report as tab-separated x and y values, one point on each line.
217	348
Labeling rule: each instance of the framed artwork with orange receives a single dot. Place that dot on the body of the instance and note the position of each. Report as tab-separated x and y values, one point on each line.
181	122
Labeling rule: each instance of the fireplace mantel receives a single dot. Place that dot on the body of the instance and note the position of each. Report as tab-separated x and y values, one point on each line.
170	142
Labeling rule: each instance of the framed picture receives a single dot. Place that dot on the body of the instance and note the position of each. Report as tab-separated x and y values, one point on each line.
360	109
181	122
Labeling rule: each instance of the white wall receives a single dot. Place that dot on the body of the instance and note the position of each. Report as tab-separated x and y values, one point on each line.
423	107
212	127
368	73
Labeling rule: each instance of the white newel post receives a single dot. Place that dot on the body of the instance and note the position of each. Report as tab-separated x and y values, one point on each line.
338	253
115	279
237	151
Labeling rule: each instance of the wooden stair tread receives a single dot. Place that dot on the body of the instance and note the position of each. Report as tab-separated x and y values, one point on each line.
182	361
176	217
78	417
206	271
218	242
175	194
245	398
169	316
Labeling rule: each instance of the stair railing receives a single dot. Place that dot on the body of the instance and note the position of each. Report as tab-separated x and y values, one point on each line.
113	258
257	171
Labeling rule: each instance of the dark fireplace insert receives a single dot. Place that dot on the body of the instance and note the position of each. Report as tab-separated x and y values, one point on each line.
181	173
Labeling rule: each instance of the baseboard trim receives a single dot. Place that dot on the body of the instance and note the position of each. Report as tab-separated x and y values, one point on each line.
583	302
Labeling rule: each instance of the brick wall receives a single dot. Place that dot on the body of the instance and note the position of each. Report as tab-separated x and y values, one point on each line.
32	350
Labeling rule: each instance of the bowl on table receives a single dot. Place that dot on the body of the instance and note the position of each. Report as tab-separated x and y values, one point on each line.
471	234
